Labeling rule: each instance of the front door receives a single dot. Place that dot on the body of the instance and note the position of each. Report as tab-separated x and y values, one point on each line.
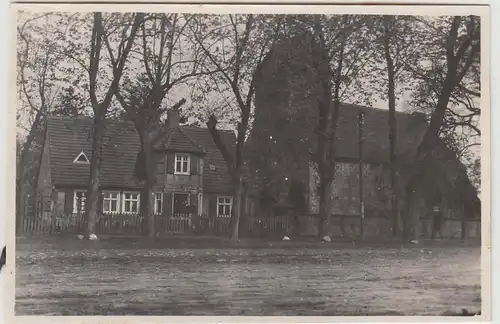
181	203
180	222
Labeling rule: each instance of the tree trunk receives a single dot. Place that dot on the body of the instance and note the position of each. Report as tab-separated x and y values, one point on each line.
414	209
454	74
39	163
327	123
100	109
235	168
236	210
147	209
20	208
20	204
325	206
93	193
244	213
415	188
149	183
392	129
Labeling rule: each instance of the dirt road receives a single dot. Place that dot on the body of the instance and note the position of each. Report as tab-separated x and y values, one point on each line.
274	281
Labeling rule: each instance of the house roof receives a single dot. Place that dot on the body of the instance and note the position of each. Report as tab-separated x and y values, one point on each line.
178	140
215	174
376	148
68	136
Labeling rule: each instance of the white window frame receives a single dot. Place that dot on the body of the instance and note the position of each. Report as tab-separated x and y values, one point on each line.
230	204
180	157
117	199
138	200
81	162
83	201
161	202
180	193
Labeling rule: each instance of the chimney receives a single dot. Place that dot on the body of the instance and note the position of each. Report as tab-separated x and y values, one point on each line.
173	118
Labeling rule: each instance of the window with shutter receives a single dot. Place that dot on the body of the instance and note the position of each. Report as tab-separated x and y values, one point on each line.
170	163
194	164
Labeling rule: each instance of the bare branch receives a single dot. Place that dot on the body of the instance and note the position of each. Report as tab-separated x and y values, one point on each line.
95	54
145	55
22	67
468	91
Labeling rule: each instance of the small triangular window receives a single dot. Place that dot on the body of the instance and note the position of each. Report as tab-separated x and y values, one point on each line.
81	158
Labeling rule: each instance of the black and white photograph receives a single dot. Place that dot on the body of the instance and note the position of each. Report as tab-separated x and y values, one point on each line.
203	161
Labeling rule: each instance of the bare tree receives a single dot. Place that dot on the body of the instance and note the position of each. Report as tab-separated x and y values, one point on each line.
170	59
395	47
328	116
38	63
234	45
391	76
128	26
452	66
340	54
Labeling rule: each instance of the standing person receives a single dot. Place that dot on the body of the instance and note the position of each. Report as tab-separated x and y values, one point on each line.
437	222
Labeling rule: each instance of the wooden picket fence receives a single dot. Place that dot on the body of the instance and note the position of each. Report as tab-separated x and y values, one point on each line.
133	224
46	223
177	223
275	226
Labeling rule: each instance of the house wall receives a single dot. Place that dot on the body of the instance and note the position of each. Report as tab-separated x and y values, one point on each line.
377	202
166	181
60	198
160	169
170	183
210	203
206	205
192	182
345	191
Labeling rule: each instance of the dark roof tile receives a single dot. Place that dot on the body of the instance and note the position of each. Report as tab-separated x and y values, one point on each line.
178	140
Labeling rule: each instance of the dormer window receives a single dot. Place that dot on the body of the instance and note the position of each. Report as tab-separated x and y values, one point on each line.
182	164
81	159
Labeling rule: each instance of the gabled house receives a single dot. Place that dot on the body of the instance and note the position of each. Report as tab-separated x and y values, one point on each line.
190	171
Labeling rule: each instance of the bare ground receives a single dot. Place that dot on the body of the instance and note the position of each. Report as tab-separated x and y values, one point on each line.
130	277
